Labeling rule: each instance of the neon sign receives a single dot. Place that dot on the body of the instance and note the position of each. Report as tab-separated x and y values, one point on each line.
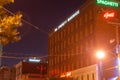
108	3
66	21
109	15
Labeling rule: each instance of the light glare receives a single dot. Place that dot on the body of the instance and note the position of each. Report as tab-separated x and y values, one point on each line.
100	54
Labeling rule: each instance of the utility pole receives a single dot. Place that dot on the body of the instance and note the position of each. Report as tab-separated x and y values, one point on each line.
117	25
118	51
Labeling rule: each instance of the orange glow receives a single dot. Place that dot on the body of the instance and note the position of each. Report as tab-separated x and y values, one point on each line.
63	75
100	54
68	74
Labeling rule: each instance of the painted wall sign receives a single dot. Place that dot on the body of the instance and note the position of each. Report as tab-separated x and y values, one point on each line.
108	3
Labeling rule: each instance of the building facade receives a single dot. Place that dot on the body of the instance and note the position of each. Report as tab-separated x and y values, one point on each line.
72	44
7	73
31	71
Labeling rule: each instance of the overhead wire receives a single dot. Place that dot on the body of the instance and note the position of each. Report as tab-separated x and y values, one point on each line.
27	22
14	57
36	27
21	54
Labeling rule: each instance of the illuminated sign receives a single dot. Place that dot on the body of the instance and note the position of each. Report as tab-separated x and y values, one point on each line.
34	60
108	15
69	19
108	3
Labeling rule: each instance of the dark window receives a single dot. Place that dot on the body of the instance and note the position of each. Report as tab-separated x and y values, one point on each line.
34	76
87	76
93	76
81	77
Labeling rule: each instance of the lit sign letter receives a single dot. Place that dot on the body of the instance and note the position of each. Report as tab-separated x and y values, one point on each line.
66	21
34	60
107	15
62	24
75	14
108	3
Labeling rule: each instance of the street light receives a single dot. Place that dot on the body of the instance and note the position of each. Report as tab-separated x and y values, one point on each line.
100	55
117	25
111	16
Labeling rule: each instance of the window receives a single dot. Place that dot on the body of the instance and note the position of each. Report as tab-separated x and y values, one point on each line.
62	34
69	53
69	41
86	31
72	27
68	28
93	76
77	49
64	68
86	17
87	45
81	77
72	39
63	56
58	36
90	14
80	21
76	38
55	49
72	52
87	76
81	49
88	61
75	65
91	28
76	24
81	34
34	76
72	66
81	62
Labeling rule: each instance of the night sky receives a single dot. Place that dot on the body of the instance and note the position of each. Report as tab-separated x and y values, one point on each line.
43	14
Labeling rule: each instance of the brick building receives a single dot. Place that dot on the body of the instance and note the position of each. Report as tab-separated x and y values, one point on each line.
72	44
31	71
7	73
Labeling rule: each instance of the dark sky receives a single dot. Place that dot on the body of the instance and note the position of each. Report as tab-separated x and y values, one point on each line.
44	14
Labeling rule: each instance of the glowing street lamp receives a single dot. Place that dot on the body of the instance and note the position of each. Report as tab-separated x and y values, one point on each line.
100	55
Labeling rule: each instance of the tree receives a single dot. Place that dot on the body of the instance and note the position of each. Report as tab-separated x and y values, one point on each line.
9	25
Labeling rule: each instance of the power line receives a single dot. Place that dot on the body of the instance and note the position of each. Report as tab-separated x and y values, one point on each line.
24	54
14	57
36	27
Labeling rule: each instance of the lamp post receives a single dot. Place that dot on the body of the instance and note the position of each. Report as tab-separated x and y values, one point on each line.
118	52
117	25
100	55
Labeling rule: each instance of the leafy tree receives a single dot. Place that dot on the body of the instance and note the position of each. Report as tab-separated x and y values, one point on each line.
9	25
